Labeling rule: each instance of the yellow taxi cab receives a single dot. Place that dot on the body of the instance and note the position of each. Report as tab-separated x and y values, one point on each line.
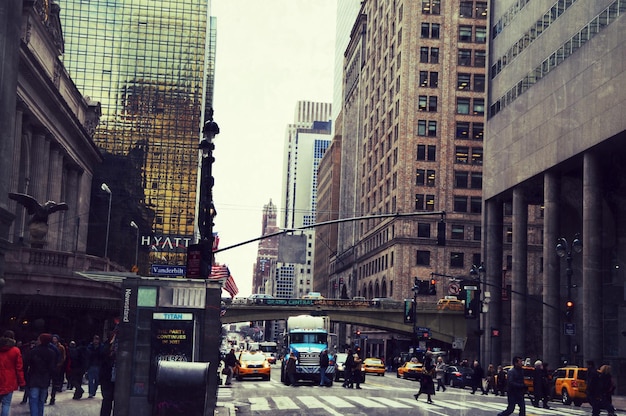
529	375
374	366
410	370
253	364
570	384
450	303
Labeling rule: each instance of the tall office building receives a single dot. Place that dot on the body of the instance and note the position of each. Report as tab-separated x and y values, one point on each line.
555	137
151	66
413	117
306	141
267	252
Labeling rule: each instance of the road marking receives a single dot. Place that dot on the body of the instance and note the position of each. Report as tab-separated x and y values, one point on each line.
258	403
284	402
364	402
337	401
311	402
391	402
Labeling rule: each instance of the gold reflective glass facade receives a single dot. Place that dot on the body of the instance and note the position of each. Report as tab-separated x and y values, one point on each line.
144	60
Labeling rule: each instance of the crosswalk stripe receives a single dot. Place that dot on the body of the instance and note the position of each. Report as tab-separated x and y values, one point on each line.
311	402
259	403
391	402
364	402
284	402
337	402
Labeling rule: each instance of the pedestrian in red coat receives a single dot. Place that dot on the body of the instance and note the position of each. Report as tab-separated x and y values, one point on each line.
11	369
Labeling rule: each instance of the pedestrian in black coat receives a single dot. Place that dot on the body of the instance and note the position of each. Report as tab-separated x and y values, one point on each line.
515	388
540	385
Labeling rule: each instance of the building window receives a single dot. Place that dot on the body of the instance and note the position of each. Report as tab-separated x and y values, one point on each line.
477	232
457	259
419	202
434	55
479	83
461	154
465	57
434	79
430	202
477	155
457	232
463	82
460	179
476	181
426	103
430	178
425	152
481	34
431	6
462	105
423	258
421	127
430	30
460	203
476	205
466	9
479	107
480	58
420	175
477	131
432	128
465	33
462	130
423	230
424	54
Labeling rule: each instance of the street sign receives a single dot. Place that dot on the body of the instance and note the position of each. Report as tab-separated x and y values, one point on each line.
569	328
167	270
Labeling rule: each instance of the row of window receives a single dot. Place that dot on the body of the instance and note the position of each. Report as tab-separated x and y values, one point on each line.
464	129
466	105
527	38
425	177
477	34
430	79
465	57
462	203
463	154
464	179
457	231
457	259
473	9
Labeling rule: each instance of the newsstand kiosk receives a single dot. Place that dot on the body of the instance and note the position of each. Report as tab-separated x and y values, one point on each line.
168	347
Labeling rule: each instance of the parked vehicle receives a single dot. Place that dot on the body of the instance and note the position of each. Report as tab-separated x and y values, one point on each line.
457	376
258	298
410	370
374	366
570	384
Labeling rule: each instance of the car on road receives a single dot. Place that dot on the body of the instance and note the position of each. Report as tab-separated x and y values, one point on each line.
253	364
374	366
570	385
529	375
340	366
457	376
258	298
450	304
313	295
410	370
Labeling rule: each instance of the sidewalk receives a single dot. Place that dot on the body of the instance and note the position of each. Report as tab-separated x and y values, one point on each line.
65	406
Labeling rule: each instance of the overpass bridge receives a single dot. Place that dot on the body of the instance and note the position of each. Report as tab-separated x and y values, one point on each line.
445	325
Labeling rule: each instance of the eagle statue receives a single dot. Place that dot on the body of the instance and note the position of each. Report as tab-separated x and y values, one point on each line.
38	223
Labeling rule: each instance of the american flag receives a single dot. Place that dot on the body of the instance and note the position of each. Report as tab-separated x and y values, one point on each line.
220	272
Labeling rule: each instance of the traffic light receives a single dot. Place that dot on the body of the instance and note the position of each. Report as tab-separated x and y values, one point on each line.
569	309
358	333
409	311
441	233
432	290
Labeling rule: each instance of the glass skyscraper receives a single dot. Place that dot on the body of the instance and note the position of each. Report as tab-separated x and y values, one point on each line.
151	65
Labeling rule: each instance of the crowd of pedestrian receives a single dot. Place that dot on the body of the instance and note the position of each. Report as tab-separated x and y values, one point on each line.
41	368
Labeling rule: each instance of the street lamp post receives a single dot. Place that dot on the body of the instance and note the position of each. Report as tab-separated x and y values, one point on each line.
478	274
106	189
564	249
134	225
206	208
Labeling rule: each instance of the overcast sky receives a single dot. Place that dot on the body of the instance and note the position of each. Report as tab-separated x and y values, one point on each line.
270	54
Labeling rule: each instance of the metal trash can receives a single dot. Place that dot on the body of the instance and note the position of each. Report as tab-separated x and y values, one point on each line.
181	389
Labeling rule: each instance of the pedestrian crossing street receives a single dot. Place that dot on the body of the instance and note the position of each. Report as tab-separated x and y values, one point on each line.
283	398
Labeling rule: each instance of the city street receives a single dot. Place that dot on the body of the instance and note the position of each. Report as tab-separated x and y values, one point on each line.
386	395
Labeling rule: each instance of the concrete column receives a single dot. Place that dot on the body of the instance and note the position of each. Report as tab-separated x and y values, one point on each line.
519	284
551	276
493	236
40	152
55	179
72	214
17	226
591	332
